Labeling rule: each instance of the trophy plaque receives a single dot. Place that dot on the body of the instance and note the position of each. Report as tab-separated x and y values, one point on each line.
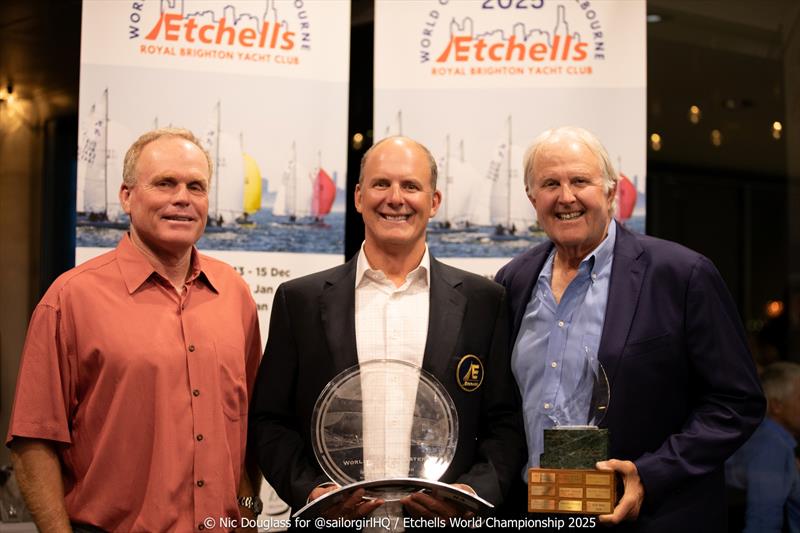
389	427
567	480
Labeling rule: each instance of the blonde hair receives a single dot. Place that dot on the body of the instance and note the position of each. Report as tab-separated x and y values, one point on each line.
133	153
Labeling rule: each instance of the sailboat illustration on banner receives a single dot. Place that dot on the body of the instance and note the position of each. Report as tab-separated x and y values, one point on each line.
626	195
511	212
101	151
303	193
465	193
252	186
226	195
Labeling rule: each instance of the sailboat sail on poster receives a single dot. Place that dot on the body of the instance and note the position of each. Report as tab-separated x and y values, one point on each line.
226	195
103	142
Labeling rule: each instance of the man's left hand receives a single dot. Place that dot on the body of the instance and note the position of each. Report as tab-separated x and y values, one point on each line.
633	495
422	505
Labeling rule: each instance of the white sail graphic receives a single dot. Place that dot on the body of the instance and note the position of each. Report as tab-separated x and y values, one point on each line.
226	195
510	208
465	193
101	153
295	191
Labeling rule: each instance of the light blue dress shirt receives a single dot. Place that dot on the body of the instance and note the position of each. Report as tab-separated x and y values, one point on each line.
556	348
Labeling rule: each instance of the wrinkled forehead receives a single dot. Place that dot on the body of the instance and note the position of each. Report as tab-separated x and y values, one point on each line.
565	153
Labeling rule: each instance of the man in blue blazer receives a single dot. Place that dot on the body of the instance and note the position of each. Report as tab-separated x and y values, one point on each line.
657	316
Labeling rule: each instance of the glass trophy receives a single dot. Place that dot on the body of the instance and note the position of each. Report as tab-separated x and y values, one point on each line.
567	481
389	427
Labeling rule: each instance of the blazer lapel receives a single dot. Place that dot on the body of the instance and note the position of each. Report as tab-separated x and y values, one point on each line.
627	275
444	321
520	289
337	310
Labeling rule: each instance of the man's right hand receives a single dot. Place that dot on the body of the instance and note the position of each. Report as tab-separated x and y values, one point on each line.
38	472
353	506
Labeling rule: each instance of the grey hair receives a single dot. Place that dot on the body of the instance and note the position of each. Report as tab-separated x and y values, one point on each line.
133	153
779	379
431	161
610	176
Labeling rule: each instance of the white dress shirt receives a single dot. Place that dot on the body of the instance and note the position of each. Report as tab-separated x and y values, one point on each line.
391	323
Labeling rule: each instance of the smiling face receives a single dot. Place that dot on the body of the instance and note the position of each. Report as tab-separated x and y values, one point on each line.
567	190
168	203
395	197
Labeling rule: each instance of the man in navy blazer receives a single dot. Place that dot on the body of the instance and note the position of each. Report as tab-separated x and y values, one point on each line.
684	391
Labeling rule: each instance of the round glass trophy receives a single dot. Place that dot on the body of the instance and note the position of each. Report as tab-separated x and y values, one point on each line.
384	420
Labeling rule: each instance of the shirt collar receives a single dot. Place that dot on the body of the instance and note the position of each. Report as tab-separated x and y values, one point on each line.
363	267
595	261
136	269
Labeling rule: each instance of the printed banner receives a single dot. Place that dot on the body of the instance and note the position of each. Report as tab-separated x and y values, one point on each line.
263	83
477	80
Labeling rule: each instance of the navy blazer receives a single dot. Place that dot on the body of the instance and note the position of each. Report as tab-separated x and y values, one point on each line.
684	390
312	338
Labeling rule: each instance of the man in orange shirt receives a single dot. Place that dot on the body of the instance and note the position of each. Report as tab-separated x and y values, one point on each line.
130	411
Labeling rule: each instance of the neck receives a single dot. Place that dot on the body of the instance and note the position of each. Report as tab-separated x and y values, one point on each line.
396	264
172	266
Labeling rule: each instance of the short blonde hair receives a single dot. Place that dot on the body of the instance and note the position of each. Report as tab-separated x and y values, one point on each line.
133	153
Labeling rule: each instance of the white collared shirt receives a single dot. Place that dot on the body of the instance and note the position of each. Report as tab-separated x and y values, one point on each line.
391	323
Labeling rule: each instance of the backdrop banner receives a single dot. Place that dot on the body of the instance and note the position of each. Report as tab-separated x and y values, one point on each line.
263	84
477	80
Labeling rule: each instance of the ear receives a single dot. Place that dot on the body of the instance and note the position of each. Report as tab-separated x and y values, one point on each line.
531	197
436	201
357	197
125	198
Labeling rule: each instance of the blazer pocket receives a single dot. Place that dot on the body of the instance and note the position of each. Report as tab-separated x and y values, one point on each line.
649	347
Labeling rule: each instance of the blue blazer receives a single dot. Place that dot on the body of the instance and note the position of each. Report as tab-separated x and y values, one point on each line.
684	390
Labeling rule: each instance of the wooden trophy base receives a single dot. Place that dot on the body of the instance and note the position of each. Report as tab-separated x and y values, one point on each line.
557	490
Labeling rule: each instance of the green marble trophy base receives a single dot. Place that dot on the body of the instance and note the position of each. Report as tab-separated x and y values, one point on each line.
574	448
567	481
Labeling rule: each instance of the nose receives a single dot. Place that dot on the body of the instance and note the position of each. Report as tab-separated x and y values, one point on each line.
396	195
181	195
565	193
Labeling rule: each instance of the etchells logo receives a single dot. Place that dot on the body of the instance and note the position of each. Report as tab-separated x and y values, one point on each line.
512	37
263	31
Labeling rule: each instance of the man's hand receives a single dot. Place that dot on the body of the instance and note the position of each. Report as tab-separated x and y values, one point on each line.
633	495
422	505
354	506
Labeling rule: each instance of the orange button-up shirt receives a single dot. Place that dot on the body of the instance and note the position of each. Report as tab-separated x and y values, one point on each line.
143	391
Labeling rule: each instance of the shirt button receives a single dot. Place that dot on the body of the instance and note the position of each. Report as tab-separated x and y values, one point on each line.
561	323
191	347
201	527
196	392
200	483
554	364
547	405
594	276
199	437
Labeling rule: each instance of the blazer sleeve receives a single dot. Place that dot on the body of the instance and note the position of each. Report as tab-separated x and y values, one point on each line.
274	435
727	402
501	450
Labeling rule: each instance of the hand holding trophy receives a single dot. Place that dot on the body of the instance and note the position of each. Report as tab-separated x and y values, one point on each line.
383	430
